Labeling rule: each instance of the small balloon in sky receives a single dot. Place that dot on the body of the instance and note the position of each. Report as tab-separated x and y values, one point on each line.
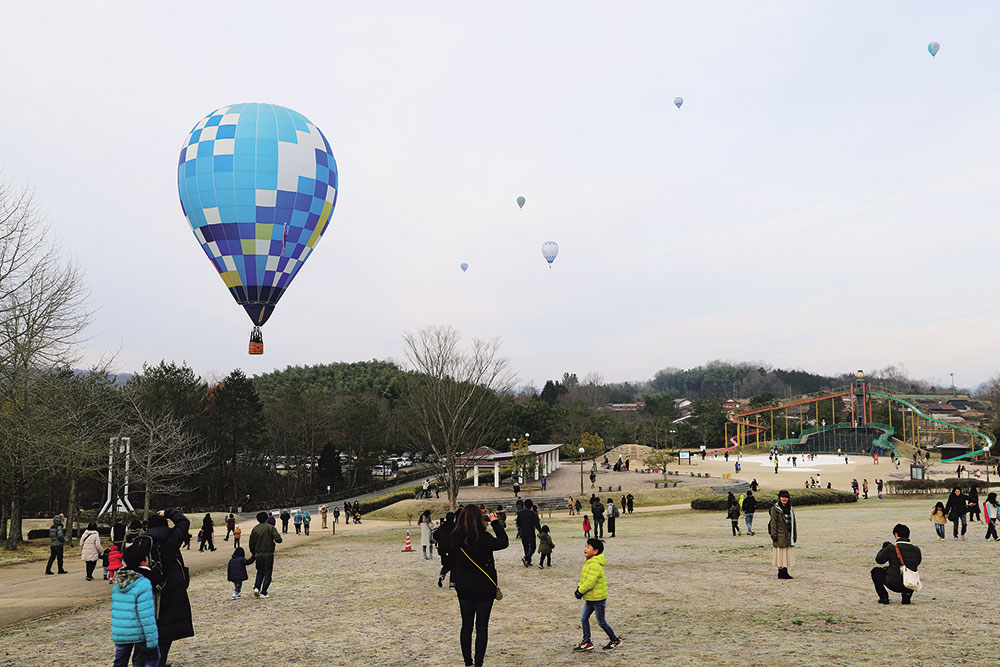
464	267
520	202
933	48
678	101
550	250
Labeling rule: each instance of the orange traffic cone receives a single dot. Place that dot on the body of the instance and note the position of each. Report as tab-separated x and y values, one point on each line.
407	546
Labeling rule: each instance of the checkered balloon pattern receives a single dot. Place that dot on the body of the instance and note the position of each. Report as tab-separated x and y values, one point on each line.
258	184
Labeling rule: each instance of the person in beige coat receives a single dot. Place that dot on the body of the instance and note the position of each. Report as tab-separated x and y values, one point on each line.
90	549
783	534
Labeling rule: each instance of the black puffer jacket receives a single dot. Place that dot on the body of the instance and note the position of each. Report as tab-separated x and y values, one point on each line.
956	506
470	582
749	505
174	621
911	556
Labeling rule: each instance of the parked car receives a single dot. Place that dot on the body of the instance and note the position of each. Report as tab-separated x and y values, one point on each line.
405	462
383	470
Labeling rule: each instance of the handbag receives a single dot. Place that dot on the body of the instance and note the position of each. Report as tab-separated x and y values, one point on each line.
911	578
499	595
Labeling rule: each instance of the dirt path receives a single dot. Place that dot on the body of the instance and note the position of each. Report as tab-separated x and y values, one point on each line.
26	592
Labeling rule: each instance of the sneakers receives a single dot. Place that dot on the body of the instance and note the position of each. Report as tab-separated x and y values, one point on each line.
614	643
541	567
239	596
883	600
441	581
963	539
264	596
584	646
256	592
233	597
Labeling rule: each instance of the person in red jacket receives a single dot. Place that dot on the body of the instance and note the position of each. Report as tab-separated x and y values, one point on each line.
114	562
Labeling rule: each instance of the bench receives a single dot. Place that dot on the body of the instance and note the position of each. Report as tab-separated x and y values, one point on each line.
609	489
672	482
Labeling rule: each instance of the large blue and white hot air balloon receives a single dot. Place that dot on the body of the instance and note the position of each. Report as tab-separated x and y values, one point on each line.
258	185
550	250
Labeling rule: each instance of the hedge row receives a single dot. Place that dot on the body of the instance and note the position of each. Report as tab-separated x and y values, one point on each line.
914	486
799	497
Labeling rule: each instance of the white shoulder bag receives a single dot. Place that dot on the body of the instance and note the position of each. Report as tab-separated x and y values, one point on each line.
911	578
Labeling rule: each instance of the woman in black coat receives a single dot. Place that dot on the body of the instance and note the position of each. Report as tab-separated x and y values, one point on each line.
474	574
174	618
955	509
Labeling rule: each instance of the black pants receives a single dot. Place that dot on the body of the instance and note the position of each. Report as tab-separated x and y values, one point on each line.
545	557
55	554
991	529
164	650
528	542
206	542
265	565
284	525
91	565
478	612
879	579
611	525
736	526
954	523
599	529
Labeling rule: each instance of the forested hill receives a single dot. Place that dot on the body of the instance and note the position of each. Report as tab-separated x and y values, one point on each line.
378	378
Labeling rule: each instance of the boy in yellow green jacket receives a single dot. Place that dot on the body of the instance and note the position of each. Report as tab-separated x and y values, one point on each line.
593	590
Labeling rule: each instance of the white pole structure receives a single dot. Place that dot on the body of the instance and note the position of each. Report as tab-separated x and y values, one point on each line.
127	442
475	473
496	474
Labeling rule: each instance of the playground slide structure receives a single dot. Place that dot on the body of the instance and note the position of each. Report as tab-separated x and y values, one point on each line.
986	448
747	428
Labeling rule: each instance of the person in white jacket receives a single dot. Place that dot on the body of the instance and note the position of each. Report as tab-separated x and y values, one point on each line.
90	549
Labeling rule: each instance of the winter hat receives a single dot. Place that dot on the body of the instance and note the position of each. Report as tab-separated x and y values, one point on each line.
784	494
156	520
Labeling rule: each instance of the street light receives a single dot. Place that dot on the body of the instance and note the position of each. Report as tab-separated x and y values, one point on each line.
581	450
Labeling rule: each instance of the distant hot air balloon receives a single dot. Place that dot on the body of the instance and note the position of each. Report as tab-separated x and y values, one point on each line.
258	184
550	249
520	202
464	267
678	101
933	48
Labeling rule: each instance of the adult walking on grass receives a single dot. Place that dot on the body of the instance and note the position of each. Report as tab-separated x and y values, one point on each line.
630	499
474	574
991	510
749	507
285	517
230	526
783	534
974	513
297	520
173	621
527	523
90	549
956	508
263	537
443	537
598	519
895	556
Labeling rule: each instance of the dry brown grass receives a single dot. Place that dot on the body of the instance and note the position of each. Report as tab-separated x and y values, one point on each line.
682	591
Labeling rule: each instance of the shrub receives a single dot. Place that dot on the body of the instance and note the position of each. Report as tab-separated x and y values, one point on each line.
378	502
765	499
929	486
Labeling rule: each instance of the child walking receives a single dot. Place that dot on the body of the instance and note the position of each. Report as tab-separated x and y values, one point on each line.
586	526
237	532
238	571
593	590
545	547
133	617
114	561
940	520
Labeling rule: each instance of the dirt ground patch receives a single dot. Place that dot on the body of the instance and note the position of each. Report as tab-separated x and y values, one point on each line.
682	591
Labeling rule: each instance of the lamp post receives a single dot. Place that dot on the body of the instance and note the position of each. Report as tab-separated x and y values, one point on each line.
581	450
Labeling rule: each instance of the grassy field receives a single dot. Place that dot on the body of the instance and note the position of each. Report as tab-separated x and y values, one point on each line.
682	591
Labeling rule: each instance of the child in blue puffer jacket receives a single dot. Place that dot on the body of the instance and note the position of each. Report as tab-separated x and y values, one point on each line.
133	618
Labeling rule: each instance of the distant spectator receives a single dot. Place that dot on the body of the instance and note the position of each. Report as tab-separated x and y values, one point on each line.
207	530
118	533
230	525
306	520
426	534
285	516
545	547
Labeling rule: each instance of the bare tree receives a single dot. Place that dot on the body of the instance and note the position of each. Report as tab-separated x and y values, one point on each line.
42	317
453	401
166	456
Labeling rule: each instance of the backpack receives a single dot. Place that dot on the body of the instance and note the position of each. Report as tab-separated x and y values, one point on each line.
734	512
614	512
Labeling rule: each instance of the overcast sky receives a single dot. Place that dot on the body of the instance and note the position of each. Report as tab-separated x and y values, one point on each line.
826	198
